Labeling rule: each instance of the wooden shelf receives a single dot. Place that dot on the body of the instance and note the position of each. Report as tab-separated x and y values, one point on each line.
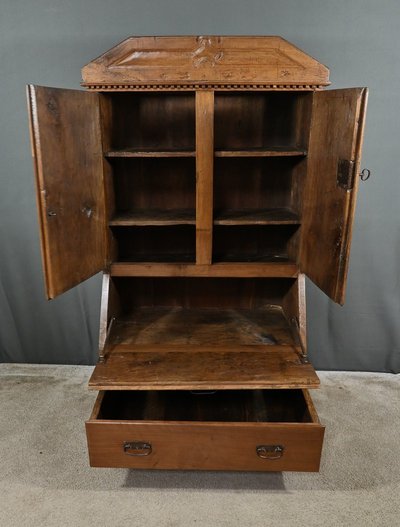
281	216
266	258
188	217
147	152
237	270
262	152
248	152
160	259
154	218
202	348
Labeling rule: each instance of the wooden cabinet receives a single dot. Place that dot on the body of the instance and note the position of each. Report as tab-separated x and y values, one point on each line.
205	176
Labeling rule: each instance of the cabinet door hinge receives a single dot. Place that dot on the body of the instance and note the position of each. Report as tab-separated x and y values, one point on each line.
346	174
295	328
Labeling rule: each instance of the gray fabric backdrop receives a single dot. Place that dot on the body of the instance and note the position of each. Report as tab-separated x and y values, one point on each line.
48	41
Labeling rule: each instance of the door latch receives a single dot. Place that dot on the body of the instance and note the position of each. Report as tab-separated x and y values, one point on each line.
346	174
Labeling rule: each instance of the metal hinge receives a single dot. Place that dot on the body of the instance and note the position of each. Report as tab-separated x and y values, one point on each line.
295	327
104	345
346	174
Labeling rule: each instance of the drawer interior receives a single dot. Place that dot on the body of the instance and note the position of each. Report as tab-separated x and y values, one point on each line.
264	406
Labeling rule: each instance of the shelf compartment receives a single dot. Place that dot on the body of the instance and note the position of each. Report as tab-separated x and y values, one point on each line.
283	151
239	270
154	218
167	243
259	183
219	431
262	120
145	123
208	293
255	243
278	216
153	184
148	153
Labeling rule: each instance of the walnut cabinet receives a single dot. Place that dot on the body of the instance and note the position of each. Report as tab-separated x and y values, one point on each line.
205	177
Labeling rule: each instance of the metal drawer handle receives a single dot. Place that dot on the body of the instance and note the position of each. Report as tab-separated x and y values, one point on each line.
137	448
270	451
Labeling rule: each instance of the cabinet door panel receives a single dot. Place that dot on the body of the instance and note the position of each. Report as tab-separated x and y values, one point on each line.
331	188
67	152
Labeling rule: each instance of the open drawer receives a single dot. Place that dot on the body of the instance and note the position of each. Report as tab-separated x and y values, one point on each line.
261	430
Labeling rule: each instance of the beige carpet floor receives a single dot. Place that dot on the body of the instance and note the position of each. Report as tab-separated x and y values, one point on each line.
45	479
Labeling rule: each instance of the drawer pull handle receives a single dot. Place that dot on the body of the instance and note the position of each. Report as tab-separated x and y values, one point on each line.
270	451
137	448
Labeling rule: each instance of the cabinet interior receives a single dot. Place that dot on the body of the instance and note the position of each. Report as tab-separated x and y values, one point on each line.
202	333
260	148
203	311
231	331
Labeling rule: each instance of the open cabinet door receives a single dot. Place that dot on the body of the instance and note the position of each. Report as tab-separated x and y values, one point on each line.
333	164
67	152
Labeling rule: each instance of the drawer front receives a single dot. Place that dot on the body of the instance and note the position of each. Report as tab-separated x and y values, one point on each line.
206	446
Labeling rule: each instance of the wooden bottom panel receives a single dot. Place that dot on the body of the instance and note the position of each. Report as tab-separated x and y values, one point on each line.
202	445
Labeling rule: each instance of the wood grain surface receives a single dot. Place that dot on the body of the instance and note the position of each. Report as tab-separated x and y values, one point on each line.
206	445
328	211
154	217
262	152
278	216
150	152
66	147
243	270
194	61
201	326
204	175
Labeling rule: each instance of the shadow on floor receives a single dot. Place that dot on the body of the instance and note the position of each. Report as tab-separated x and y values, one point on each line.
173	479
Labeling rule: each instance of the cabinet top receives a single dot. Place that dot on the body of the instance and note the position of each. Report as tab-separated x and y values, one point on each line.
205	62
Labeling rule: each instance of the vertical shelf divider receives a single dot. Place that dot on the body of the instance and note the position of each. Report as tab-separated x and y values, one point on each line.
204	175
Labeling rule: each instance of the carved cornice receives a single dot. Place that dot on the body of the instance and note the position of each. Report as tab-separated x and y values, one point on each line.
205	62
